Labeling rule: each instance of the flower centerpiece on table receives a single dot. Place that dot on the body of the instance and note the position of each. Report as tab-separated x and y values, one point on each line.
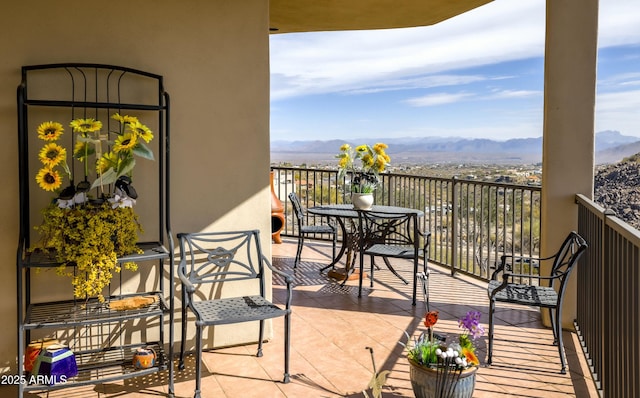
365	176
89	225
447	361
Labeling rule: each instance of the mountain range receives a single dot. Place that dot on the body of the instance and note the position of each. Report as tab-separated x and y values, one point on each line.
610	146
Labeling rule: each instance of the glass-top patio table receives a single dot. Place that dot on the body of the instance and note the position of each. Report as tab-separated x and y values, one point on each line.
342	213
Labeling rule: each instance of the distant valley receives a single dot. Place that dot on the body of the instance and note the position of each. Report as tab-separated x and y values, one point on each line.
611	147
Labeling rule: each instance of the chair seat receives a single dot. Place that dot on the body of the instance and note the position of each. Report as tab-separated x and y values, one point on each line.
235	309
392	251
317	229
539	296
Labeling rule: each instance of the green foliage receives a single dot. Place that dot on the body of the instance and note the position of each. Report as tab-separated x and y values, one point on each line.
423	350
89	238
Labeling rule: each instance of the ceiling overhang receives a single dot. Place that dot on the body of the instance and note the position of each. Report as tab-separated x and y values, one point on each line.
287	16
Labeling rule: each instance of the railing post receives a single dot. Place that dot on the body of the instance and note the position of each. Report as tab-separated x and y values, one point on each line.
454	225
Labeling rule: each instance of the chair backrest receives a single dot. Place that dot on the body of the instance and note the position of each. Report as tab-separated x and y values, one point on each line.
297	208
566	259
215	257
390	228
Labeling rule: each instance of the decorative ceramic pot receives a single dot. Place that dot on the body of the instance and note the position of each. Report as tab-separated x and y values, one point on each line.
362	201
425	382
277	214
144	358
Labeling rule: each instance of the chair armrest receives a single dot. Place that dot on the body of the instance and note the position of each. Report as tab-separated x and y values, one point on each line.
506	264
288	278
186	283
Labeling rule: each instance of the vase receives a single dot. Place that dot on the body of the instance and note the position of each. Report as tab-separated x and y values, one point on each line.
362	201
425	380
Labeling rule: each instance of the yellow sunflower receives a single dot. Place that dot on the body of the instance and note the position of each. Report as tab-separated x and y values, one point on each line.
142	131
124	119
52	154
380	147
82	150
343	162
107	161
48	179
125	142
380	164
50	131
85	125
367	160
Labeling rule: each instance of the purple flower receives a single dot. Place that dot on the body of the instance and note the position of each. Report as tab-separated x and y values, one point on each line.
471	322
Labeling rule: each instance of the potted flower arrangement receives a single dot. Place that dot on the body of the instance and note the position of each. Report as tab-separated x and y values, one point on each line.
365	177
89	225
441	370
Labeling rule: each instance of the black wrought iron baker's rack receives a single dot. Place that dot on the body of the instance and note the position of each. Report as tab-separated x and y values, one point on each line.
98	335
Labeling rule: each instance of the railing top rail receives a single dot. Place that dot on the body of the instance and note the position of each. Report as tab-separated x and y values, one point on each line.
533	188
590	204
625	230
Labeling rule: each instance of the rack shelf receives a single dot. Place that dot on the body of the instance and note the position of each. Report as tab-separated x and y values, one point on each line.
107	365
150	251
77	312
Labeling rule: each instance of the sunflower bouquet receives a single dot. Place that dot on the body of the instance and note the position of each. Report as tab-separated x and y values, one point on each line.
111	166
373	160
90	232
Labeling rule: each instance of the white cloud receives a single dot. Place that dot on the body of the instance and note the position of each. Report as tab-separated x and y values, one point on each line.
311	63
448	98
437	99
368	61
513	94
419	82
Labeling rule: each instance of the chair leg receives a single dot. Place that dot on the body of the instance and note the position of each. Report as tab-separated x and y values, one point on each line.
184	333
198	361
424	277
361	258
260	338
415	281
333	258
557	327
299	250
492	308
552	315
372	267
287	349
388	264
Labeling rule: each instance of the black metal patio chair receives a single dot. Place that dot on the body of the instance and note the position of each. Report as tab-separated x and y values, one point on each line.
394	235
209	263
504	288
305	229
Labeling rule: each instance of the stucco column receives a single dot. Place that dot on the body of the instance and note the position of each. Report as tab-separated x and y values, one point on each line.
568	140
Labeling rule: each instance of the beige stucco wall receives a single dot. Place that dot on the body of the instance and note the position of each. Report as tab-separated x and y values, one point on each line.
215	60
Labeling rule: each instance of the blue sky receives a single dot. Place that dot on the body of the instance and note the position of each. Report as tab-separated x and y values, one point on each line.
478	75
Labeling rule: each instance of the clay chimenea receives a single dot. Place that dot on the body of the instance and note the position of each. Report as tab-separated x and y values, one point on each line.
277	214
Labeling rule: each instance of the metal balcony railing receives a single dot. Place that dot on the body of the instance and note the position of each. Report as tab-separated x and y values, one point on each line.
472	223
608	300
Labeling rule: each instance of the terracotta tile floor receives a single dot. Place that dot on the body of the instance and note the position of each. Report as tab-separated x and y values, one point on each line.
331	328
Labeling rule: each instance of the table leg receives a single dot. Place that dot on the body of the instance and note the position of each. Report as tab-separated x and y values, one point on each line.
351	244
343	248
